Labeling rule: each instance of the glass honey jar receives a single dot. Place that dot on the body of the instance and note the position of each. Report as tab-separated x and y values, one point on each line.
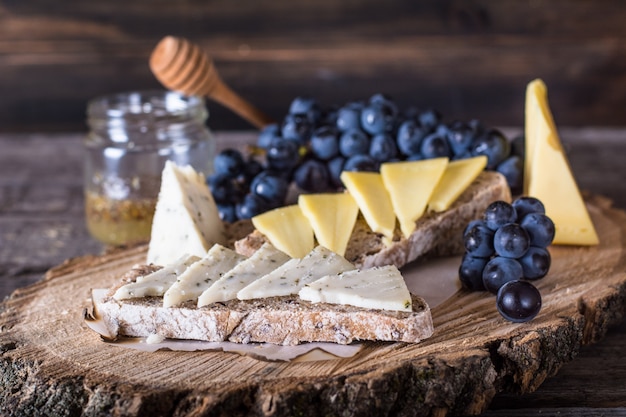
131	135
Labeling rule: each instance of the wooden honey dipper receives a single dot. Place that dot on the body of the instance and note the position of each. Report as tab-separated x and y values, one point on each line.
182	66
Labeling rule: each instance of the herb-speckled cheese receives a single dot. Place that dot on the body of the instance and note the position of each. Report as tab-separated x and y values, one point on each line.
375	288
292	276
266	259
156	283
201	275
186	219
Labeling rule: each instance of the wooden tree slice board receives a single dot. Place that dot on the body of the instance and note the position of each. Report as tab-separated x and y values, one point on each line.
52	363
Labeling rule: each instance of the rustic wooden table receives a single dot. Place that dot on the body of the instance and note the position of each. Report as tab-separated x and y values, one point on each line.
42	224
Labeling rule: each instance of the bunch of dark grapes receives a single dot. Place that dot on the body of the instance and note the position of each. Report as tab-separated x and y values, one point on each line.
313	145
505	251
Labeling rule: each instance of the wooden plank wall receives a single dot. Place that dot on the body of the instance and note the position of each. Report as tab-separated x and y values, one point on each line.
467	58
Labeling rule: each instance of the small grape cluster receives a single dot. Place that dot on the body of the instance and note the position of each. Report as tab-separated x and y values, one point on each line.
313	145
505	250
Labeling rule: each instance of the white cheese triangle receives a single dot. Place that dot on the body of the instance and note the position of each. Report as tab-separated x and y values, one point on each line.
375	288
266	259
292	276
186	219
201	275
156	283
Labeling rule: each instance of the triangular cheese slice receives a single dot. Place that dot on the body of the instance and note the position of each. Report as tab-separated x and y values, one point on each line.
201	275
156	283
410	185
373	200
266	259
291	276
186	220
288	229
376	288
548	175
332	217
456	178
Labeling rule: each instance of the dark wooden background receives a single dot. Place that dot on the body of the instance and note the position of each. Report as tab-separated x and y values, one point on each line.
469	59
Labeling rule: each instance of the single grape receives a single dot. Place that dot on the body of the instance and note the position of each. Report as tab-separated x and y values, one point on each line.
251	169
511	241
498	214
540	229
499	271
267	134
478	239
478	128
349	116
361	163
282	154
270	187
227	212
387	101
471	272
335	168
535	263
513	170
518	301
312	176
297	127
308	106
459	135
435	145
494	145
325	143
383	148
250	206
409	137
378	117
354	142
518	146
223	188
429	119
229	162
526	205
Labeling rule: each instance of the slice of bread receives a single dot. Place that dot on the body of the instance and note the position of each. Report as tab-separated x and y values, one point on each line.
288	320
436	234
284	320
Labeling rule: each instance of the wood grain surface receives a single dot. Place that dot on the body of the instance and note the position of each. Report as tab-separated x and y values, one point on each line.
469	59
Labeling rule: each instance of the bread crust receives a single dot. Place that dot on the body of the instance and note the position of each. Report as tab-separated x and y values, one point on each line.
284	320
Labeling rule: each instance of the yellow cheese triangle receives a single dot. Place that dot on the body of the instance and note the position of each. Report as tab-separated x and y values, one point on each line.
548	175
371	196
332	217
410	185
456	178
288	229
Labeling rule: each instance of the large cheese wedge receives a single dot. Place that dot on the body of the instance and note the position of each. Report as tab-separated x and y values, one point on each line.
373	200
288	229
291	276
201	275
456	178
377	288
266	259
156	283
548	175
410	185
186	220
332	217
